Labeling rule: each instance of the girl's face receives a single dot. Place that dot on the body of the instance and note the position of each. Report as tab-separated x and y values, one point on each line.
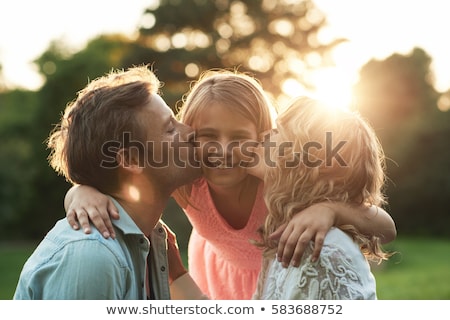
226	140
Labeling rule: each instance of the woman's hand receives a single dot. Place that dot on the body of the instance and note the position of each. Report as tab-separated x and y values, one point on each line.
84	204
311	224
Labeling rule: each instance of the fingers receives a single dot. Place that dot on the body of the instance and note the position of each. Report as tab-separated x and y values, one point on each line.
294	249
100	219
106	228
112	210
286	246
73	220
83	220
113	213
300	247
293	244
291	250
294	241
281	236
318	245
276	235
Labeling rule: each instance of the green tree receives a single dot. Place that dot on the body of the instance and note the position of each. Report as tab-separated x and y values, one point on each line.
32	195
398	97
16	157
273	40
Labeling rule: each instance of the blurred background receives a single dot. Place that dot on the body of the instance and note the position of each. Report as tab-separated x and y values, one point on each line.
386	59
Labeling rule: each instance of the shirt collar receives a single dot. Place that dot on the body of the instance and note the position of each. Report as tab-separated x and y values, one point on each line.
125	223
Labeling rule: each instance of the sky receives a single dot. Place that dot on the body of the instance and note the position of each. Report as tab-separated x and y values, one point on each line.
28	26
375	29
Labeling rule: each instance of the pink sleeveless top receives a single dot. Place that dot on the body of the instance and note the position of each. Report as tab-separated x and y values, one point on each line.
221	259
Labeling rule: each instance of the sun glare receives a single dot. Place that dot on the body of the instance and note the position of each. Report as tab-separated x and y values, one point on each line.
332	88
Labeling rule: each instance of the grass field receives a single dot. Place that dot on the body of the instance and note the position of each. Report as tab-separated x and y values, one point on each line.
12	258
419	271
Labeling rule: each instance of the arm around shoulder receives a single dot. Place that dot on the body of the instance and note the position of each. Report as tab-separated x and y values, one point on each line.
369	220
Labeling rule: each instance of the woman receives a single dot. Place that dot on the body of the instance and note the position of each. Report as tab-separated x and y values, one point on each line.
301	173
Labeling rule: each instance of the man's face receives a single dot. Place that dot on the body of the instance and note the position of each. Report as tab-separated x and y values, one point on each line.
170	146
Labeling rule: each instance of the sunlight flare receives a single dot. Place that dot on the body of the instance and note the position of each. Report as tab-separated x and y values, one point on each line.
134	193
333	88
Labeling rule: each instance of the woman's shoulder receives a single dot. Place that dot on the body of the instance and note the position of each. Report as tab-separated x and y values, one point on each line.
337	240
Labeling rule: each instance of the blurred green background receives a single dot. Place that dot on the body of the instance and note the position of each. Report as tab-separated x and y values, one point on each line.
397	95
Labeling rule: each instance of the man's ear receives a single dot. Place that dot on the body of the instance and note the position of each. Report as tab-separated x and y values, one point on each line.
128	159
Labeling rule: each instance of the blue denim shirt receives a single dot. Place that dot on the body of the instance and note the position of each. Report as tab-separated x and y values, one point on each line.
71	265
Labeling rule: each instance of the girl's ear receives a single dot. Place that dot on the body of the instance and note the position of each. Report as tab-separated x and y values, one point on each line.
129	160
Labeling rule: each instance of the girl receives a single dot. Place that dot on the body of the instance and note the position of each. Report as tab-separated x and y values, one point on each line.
226	206
303	174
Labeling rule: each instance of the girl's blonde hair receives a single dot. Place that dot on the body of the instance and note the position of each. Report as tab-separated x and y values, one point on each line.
242	93
238	91
337	158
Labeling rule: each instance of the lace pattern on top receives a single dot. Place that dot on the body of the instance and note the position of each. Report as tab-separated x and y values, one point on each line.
335	276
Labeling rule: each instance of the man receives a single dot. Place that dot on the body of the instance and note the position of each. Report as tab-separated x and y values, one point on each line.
120	137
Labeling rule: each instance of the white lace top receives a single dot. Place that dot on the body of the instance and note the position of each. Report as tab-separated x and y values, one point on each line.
341	273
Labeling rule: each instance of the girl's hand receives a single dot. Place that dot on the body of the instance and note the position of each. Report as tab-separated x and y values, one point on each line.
176	266
314	222
85	204
311	224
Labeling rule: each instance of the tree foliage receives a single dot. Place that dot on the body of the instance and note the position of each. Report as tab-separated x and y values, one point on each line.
398	97
273	40
16	158
31	198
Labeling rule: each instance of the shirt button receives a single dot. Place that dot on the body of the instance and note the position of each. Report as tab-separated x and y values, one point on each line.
160	230
141	240
163	268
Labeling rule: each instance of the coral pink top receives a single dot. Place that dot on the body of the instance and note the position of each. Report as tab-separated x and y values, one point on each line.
222	260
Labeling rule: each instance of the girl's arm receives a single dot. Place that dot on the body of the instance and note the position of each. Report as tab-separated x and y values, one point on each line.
85	204
314	222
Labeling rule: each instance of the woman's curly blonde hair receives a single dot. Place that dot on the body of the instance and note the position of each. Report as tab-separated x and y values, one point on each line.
328	155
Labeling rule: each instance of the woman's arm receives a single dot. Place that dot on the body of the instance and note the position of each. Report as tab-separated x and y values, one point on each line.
314	222
84	204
